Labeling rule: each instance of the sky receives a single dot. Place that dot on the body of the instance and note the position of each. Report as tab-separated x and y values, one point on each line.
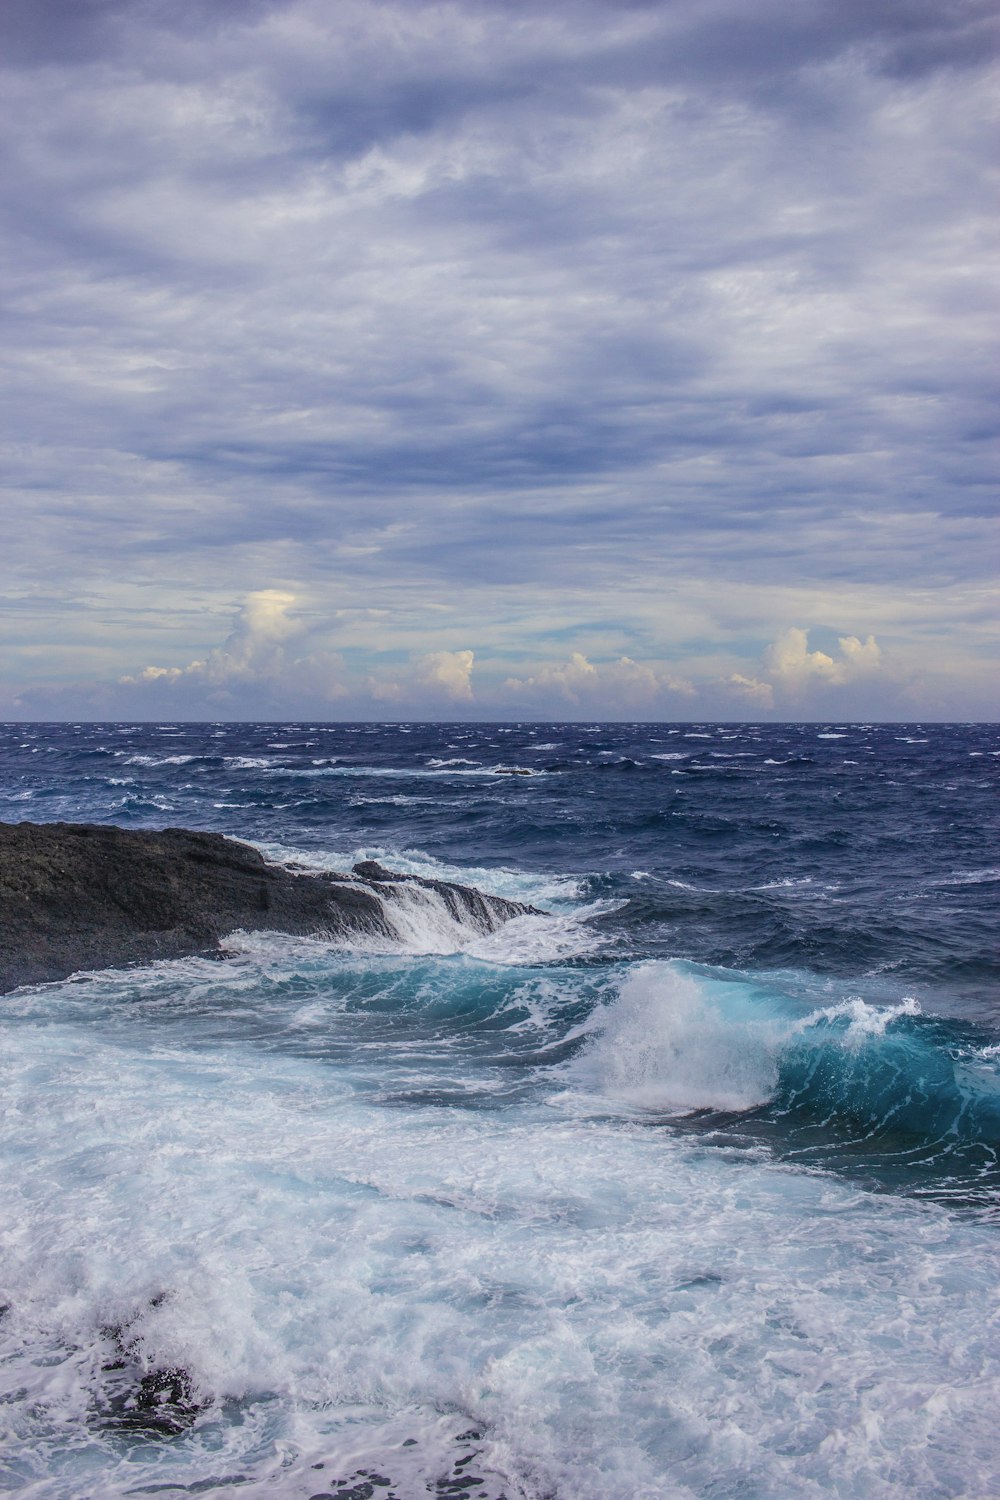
484	359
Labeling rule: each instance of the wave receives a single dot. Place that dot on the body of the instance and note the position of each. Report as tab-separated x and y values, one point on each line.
665	1045
676	1040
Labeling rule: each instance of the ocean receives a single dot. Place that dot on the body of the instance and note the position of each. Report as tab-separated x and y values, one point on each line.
685	1187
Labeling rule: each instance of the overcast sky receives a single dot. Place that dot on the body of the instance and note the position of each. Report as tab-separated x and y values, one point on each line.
489	359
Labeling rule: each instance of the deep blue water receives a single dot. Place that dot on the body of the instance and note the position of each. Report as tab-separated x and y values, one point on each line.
688	1187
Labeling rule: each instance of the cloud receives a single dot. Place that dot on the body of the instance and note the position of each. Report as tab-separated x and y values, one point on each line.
569	681
447	672
253	651
795	666
155	674
253	661
256	647
860	657
618	314
761	694
433	679
604	688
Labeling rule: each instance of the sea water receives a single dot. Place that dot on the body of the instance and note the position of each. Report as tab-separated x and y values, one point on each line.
685	1187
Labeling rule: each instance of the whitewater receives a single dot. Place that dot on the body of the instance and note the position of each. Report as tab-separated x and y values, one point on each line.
685	1187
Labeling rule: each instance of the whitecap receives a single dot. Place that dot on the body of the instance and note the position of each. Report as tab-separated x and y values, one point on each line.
156	760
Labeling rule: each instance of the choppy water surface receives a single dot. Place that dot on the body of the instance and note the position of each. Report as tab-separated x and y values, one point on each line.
686	1188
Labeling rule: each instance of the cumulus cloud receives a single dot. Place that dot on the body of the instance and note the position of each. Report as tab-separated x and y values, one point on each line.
860	657
447	672
761	694
795	666
606	687
433	678
253	651
256	646
568	680
254	659
156	674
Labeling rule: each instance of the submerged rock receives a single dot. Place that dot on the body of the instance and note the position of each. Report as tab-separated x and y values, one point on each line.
162	1404
157	1403
85	896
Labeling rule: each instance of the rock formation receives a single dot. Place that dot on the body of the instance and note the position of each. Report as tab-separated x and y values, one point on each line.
85	896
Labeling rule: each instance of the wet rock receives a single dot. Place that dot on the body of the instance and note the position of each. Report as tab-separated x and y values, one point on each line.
162	1404
158	1403
84	896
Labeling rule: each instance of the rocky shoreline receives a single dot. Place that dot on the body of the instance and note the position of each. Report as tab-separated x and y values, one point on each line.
88	896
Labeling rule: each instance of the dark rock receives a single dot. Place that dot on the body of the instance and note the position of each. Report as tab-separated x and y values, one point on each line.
158	1403
84	896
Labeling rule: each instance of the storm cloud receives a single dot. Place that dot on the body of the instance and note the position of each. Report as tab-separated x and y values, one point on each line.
491	359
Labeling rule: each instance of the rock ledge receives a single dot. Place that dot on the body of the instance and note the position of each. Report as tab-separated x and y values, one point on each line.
88	896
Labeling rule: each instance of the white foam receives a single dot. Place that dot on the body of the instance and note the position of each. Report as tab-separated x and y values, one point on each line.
789	882
617	1312
969	877
331	768
422	924
866	1021
668	1043
541	888
156	760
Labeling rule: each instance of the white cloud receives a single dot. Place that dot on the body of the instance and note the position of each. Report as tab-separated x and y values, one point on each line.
795	666
760	693
860	657
449	672
569	680
253	651
254	656
255	648
606	686
156	674
436	676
